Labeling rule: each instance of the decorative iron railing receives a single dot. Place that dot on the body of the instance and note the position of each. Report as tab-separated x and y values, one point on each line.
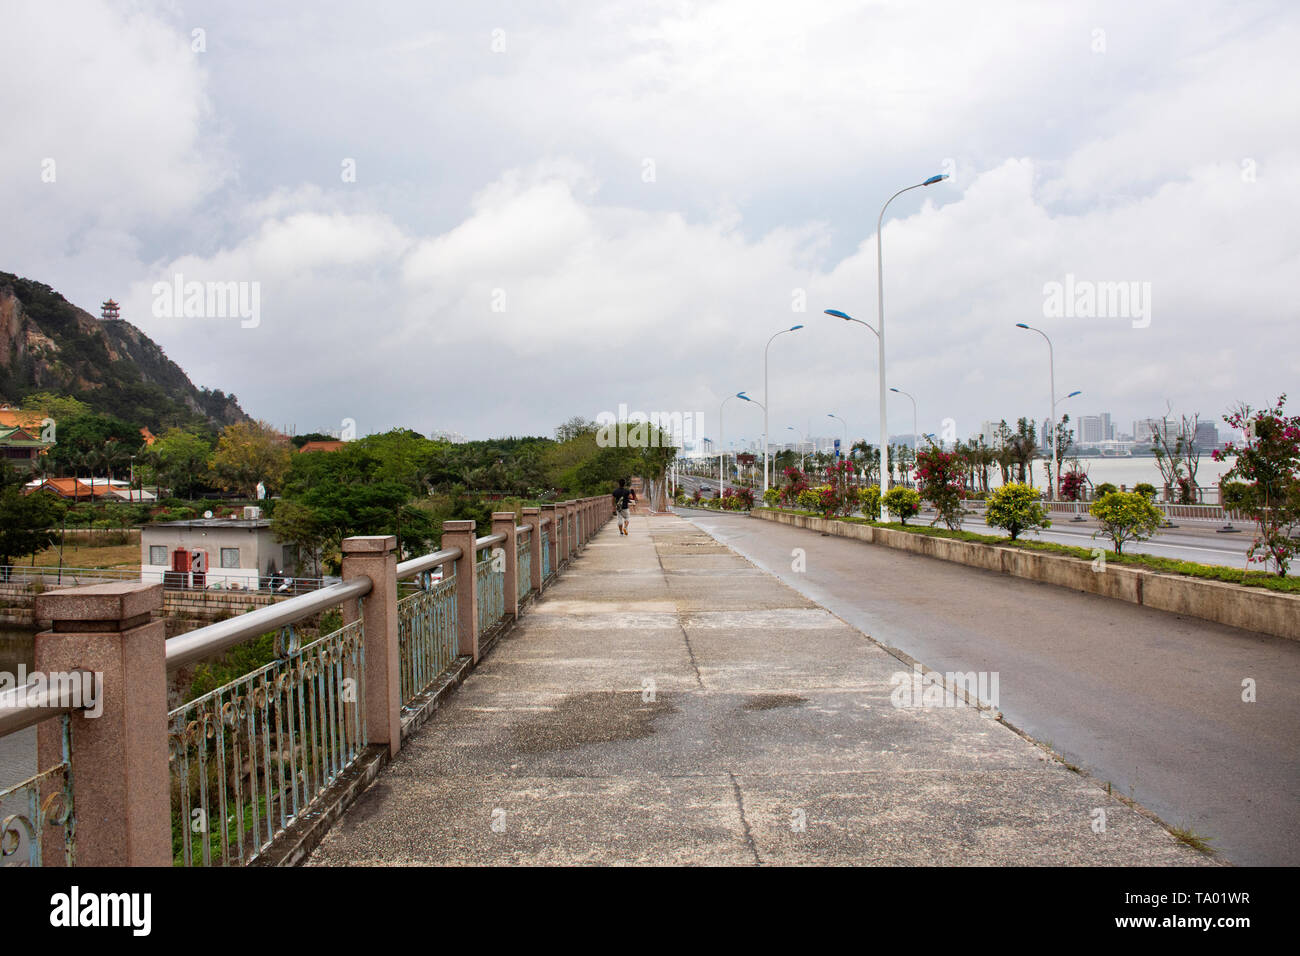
491	589
249	757
524	563
426	636
546	555
33	811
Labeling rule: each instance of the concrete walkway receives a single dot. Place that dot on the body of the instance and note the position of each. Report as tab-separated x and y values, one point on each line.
666	702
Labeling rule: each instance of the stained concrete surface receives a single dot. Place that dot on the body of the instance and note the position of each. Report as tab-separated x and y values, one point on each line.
666	702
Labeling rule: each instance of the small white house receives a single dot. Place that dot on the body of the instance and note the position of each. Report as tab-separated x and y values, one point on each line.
237	553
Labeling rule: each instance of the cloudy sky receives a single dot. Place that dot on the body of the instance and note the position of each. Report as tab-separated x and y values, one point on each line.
491	217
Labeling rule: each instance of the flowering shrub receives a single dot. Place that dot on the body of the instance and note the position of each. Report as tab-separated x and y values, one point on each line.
809	499
942	477
1268	464
772	496
794	484
738	499
1072	485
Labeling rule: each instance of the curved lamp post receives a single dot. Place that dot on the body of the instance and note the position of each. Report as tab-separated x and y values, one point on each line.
722	448
801	453
880	333
846	429
1051	437
793	328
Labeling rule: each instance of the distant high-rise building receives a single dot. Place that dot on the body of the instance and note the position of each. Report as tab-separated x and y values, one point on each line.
1144	429
1207	435
989	433
1092	429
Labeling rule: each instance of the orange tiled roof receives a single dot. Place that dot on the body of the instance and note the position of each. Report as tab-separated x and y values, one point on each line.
321	446
14	418
72	488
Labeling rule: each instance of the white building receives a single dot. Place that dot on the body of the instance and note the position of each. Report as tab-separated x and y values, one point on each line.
237	553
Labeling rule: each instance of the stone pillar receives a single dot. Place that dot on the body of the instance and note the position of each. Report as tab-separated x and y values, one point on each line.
571	510
375	557
503	522
533	518
461	534
121	789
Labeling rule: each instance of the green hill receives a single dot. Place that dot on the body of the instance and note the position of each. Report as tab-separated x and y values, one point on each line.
47	344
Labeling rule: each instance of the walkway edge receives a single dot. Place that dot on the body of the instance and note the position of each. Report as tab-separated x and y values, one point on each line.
1251	609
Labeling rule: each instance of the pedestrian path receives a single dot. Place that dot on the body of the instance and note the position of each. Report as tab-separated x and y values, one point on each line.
667	702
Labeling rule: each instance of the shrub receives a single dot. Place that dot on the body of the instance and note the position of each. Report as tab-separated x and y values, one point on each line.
1072	485
1015	508
1126	516
1105	488
904	502
772	496
1145	489
942	477
809	499
869	498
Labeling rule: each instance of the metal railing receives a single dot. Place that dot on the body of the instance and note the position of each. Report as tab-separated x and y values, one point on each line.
32	808
426	629
546	554
491	572
524	560
170	580
247	758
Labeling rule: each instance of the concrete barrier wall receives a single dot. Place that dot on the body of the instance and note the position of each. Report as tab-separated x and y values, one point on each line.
1252	609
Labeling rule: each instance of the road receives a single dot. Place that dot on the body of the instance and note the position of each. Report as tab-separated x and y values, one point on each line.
1198	541
1149	701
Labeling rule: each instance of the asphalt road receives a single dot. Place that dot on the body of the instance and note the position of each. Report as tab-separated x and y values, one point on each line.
1149	701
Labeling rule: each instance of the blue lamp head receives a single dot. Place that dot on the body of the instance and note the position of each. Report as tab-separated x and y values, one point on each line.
1021	325
744	396
893	389
795	328
1072	394
838	314
935	179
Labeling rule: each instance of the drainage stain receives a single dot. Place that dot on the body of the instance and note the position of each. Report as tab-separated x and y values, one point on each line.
596	718
773	701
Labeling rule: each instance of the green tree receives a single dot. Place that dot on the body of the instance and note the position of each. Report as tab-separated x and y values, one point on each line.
28	523
1016	508
248	453
1126	516
180	460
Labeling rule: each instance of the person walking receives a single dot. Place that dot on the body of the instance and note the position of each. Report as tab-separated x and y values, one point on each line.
623	497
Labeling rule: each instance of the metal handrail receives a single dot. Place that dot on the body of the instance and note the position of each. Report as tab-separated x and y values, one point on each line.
426	562
489	540
24	706
215	638
523	528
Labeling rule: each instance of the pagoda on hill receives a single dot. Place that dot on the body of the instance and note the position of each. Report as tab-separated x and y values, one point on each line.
109	310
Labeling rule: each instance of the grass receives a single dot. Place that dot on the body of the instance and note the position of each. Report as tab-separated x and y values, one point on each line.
77	554
1213	572
1193	839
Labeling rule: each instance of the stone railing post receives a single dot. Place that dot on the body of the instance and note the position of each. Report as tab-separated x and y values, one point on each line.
462	534
503	522
533	518
121	788
375	557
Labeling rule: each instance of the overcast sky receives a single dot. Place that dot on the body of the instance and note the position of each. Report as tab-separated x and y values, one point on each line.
490	217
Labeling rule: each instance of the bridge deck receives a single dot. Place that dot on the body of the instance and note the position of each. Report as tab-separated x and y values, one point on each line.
668	702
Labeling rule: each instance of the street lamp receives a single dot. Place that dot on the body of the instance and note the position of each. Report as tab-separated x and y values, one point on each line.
880	333
793	328
1051	371
846	428
915	436
722	448
801	452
